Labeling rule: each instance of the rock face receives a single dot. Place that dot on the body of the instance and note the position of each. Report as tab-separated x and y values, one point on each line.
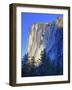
48	36
44	55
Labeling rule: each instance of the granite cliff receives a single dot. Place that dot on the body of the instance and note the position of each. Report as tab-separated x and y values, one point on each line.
44	36
45	49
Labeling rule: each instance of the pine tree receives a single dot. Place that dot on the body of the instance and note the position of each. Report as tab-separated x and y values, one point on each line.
46	63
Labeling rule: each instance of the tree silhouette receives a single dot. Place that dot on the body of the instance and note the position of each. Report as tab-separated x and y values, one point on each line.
25	67
46	66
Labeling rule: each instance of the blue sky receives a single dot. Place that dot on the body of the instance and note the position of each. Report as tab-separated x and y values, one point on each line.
27	19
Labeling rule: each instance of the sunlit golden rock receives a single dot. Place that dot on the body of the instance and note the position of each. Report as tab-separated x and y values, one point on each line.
37	41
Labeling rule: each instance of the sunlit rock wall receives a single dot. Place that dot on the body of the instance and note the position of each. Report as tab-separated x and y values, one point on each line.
42	36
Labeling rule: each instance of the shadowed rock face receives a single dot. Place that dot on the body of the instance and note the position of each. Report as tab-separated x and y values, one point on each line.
47	36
